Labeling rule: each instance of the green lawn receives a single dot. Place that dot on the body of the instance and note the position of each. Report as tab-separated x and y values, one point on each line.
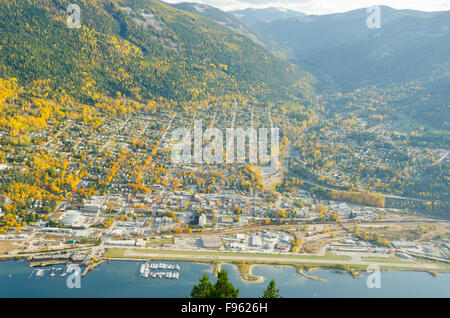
391	259
408	125
154	242
119	253
329	256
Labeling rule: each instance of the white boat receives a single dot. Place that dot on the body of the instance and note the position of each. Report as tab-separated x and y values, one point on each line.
40	273
166	271
64	272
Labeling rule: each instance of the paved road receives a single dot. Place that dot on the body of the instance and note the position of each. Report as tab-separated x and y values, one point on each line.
442	158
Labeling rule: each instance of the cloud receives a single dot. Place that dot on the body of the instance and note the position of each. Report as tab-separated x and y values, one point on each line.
324	6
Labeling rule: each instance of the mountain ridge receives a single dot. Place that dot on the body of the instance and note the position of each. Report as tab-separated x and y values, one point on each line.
144	49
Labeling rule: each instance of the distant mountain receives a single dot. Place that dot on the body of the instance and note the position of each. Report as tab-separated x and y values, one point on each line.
141	48
251	16
409	53
409	45
221	17
229	20
210	12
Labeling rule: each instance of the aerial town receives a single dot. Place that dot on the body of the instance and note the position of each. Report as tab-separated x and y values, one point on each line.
129	201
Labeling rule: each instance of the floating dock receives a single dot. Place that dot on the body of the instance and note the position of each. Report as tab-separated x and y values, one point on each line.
169	271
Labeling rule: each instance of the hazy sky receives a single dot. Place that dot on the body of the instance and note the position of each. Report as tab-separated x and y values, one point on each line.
324	6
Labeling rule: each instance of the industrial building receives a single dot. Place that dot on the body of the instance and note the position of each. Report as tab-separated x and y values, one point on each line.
74	219
255	241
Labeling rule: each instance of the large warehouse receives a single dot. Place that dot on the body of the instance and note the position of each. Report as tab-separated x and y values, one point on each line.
73	219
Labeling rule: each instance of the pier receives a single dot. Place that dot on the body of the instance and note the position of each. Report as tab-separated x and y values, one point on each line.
163	270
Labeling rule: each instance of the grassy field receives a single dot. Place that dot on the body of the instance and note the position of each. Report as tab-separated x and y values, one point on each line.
328	256
311	265
391	259
309	261
159	242
408	125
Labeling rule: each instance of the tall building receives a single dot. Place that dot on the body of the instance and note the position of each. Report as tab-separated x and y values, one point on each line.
202	220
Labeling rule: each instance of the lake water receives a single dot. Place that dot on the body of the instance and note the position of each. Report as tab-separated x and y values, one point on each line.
121	279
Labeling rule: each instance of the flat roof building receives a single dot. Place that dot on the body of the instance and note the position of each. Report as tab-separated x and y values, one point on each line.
73	219
211	242
202	220
255	241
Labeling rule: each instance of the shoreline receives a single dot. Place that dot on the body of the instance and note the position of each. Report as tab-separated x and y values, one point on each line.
319	262
245	274
268	264
245	267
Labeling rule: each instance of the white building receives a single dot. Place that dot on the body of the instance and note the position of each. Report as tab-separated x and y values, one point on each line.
202	220
236	246
73	219
55	230
138	243
91	209
227	219
255	241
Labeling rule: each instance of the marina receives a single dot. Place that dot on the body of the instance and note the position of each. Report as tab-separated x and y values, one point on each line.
170	271
38	273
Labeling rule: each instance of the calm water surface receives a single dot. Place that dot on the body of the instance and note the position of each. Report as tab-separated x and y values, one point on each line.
121	279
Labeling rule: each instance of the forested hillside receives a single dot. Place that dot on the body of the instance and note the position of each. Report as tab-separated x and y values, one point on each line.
407	58
143	49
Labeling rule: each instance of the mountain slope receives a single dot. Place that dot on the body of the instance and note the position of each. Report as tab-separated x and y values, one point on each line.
410	50
409	45
229	20
251	16
141	48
